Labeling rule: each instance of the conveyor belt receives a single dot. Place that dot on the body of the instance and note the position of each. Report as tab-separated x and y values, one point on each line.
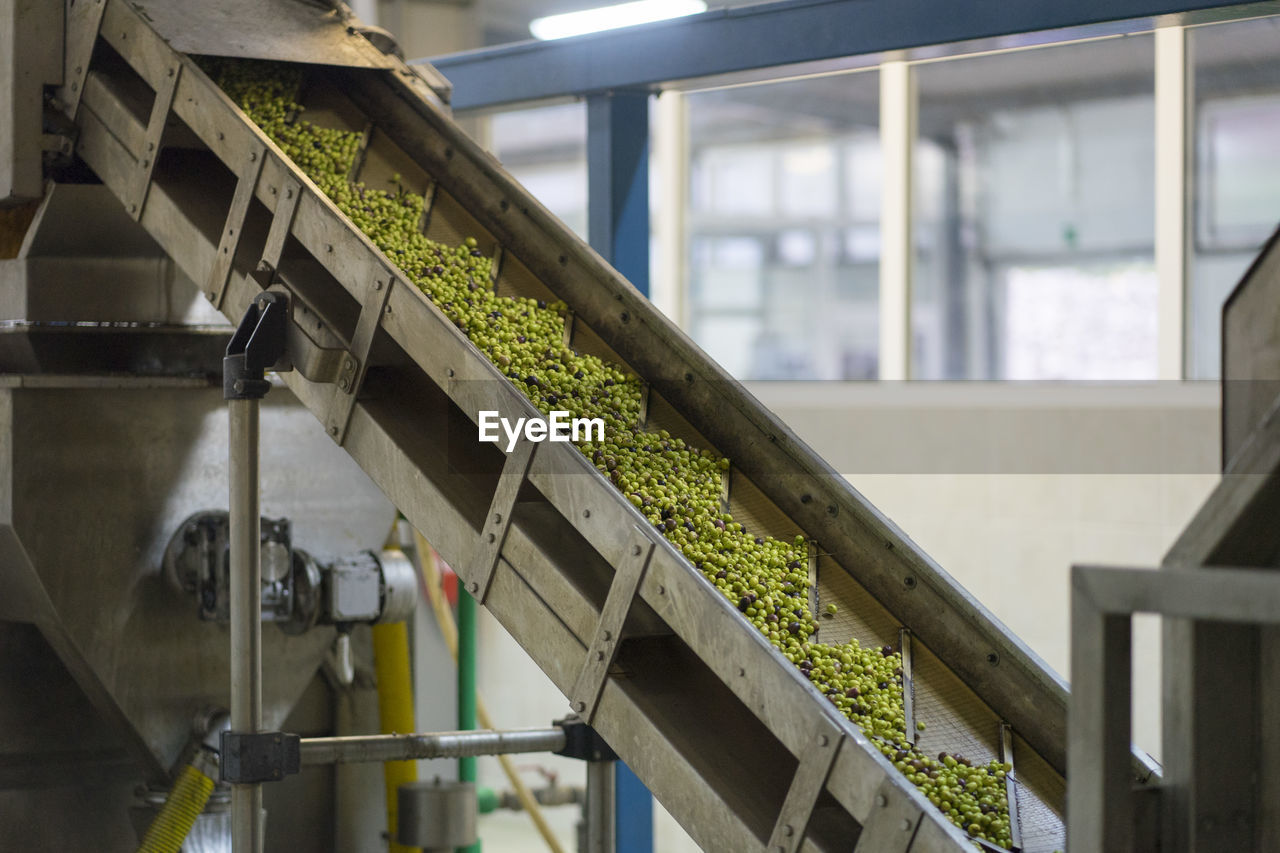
737	744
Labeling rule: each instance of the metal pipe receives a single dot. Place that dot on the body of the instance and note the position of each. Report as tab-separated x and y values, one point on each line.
599	809
246	614
345	750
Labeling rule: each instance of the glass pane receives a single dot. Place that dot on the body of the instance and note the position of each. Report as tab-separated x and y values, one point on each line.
1236	183
783	227
1054	329
545	149
1035	198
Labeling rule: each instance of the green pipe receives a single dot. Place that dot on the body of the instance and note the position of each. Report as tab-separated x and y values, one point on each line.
467	687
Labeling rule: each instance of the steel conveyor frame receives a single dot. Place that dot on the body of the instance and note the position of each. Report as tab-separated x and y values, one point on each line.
778	758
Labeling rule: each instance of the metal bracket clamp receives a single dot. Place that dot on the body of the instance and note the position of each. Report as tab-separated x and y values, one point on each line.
811	775
627	578
141	182
891	826
583	742
484	561
1010	785
84	20
220	272
282	220
257	345
249	758
356	363
908	684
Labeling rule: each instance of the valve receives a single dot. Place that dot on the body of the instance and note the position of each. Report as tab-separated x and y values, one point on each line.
298	592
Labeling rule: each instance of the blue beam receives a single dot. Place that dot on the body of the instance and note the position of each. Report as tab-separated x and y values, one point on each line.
772	34
618	228
618	182
633	813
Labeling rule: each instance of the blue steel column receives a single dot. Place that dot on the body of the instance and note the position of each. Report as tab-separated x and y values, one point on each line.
618	228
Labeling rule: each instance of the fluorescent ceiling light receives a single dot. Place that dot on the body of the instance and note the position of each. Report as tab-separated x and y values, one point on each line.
612	17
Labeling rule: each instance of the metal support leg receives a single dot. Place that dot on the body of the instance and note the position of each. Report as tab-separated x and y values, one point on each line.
1099	816
257	345
599	811
246	615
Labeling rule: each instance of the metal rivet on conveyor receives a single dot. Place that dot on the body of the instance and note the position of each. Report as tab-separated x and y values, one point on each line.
906	825
221	135
882	800
625	317
449	372
333	430
328	247
172	72
909	582
474	587
493	537
586	513
662	590
823	740
742	673
133	208
377	284
497	518
388	310
563	260
579	706
599	655
608	635
271	190
635	550
993	659
804	499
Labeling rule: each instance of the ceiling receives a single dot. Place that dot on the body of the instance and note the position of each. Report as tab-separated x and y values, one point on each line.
508	20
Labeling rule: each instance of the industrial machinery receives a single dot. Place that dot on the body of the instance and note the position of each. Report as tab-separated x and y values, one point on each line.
159	212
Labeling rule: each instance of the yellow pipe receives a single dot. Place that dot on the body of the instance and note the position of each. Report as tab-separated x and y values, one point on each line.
186	801
395	711
449	630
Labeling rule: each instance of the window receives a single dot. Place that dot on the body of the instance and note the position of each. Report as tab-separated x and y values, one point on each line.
1034	216
1236	180
783	227
545	149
